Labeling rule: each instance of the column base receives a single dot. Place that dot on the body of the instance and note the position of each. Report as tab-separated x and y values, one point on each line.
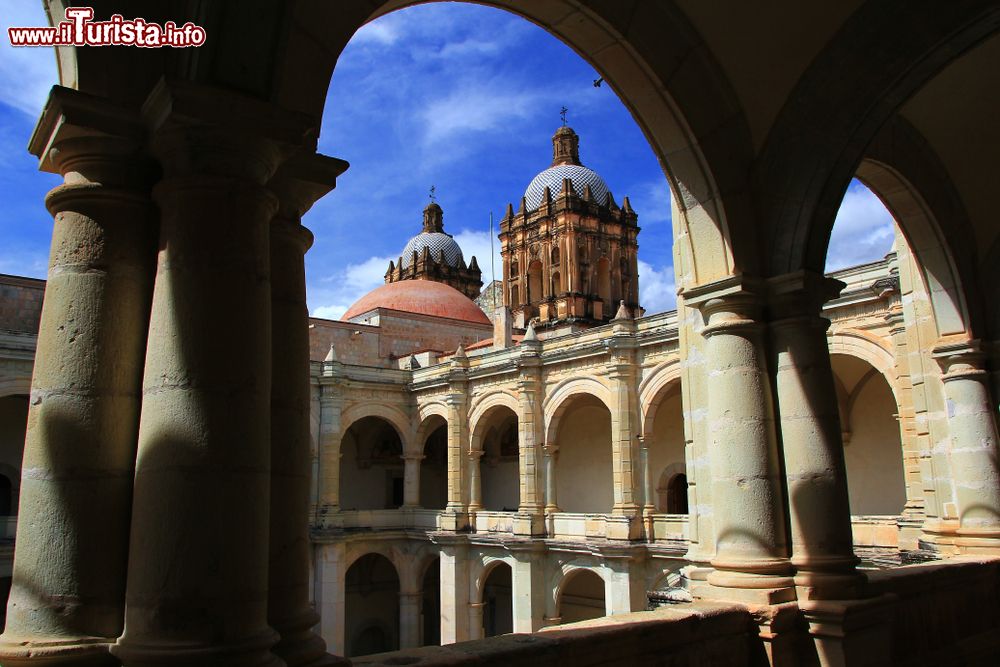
299	646
455	520
529	524
761	587
856	632
75	652
780	632
623	526
252	652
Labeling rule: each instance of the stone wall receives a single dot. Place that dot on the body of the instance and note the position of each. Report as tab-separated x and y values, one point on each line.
700	635
20	303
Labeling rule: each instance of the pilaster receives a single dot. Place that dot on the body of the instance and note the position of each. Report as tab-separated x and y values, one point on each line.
455	516
530	421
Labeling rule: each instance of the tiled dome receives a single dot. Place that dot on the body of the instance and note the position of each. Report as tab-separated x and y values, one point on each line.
553	179
420	296
436	241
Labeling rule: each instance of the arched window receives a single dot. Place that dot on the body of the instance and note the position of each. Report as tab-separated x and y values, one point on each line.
556	287
514	301
535	290
514	269
555	256
677	494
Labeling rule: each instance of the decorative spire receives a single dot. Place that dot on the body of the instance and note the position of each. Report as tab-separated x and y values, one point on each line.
565	146
331	355
433	217
623	312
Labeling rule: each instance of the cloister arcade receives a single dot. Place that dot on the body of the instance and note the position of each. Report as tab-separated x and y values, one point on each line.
179	223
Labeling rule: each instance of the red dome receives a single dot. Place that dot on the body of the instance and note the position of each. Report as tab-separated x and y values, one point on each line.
420	296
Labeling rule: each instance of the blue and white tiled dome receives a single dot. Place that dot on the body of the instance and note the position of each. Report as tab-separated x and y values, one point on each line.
436	241
553	179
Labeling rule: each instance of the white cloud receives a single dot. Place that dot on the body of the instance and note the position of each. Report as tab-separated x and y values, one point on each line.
477	243
384	31
29	263
474	107
657	289
336	292
28	72
862	232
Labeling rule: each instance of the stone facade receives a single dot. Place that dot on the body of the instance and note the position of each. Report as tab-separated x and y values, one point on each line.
164	510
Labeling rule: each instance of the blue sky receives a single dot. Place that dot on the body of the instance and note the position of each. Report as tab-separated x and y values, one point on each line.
455	95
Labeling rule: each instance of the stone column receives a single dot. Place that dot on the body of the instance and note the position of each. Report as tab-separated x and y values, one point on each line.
528	584
409	619
454	588
411	480
198	558
475	487
331	405
648	492
815	471
298	184
551	452
972	431
751	560
68	594
530	425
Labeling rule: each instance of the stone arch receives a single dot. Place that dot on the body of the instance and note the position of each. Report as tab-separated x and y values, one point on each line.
902	170
557	400
358	550
651	56
484	568
9	489
663	380
852	88
397	418
868	348
485	404
566	573
430	443
666	485
373	607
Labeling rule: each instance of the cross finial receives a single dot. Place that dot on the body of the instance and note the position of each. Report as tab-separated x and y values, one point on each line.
562	114
432	195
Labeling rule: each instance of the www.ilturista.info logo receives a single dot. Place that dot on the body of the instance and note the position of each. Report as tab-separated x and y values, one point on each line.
80	30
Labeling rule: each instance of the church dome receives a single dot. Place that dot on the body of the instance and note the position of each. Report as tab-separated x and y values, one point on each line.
423	297
434	238
565	164
436	241
552	178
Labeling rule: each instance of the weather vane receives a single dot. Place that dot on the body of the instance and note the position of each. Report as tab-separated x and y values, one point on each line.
562	114
431	194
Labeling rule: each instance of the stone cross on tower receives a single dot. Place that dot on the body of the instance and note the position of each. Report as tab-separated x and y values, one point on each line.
431	194
562	114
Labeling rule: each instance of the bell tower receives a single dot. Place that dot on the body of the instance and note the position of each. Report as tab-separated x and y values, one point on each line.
570	253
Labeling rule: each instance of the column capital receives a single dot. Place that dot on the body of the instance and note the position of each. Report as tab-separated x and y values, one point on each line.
959	358
800	294
87	139
550	449
475	453
731	304
302	180
413	457
210	131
